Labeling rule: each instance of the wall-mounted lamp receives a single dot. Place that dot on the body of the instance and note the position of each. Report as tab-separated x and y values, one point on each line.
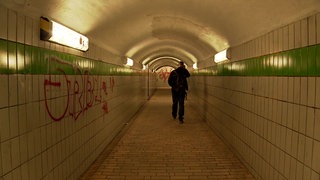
195	66
55	32
221	56
144	67
129	62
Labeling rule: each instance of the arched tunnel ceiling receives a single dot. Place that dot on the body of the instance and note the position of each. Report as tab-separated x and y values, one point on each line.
192	30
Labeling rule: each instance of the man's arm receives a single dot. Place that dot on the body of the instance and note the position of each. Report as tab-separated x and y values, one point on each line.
187	73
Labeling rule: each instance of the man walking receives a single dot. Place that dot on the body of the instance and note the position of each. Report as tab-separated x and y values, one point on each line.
179	87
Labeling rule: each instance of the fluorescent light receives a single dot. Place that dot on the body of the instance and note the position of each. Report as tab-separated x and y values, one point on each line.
62	35
221	56
195	66
129	62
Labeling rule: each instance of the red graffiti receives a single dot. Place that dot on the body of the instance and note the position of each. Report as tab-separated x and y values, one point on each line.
164	73
75	94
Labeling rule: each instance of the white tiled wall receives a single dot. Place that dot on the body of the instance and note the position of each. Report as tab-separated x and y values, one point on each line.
272	123
32	144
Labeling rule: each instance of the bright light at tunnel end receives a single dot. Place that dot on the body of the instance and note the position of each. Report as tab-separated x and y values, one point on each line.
221	56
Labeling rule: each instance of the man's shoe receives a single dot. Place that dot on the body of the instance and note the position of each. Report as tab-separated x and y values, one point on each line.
174	117
181	121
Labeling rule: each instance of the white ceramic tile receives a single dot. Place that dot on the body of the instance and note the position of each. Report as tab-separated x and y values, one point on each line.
13	93
312	30
271	42
297	90
304	90
6	157
288	141
285	38
44	162
308	152
279	112
301	147
294	145
3	22
28	31
32	169
297	34
4	100
302	119
23	148
22	119
315	175
12	25
37	141
310	121
276	40
316	156
291	36
28	82
284	113
35	111
50	156
31	146
49	135
279	87
21	89
43	137
317	125
29	116
38	167
8	176
14	121
281	161
306	172
282	138
299	170
304	32
318	28
296	117
311	91
291	89
15	152
35	88
293	168
16	173
317	100
278	135
4	124
20	27
275	90
35	32
0	161
287	166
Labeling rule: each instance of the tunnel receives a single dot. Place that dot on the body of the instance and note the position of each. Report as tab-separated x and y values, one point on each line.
64	105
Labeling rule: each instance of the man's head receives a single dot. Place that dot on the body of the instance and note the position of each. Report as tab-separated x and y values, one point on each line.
181	64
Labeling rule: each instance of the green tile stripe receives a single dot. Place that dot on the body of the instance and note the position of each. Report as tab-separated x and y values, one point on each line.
303	61
17	58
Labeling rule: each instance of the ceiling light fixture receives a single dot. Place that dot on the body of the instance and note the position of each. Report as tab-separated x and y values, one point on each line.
55	32
221	56
195	66
129	62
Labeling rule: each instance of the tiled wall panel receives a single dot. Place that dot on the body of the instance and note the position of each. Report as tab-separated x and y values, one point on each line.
35	143
264	103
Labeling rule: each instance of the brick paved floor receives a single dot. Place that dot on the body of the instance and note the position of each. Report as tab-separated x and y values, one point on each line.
155	146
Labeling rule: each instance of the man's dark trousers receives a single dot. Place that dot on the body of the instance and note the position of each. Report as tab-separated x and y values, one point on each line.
178	99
